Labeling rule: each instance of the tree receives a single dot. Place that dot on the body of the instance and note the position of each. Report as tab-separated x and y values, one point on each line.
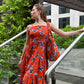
16	16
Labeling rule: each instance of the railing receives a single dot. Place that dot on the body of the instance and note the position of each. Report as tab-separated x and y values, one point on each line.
50	73
13	38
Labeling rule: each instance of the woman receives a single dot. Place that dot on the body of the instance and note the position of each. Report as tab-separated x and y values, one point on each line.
33	62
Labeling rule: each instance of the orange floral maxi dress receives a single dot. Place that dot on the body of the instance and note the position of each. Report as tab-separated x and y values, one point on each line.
35	62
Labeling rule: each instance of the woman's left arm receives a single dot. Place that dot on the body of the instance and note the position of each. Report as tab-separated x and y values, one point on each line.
65	34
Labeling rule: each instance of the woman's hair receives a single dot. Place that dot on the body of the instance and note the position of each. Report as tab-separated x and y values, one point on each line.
43	12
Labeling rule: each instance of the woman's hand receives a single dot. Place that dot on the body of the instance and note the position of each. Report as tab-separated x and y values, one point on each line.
81	30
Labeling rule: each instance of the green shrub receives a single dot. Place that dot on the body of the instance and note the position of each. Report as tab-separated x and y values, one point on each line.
64	42
15	19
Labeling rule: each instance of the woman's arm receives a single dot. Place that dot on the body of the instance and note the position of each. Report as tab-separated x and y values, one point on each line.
27	40
64	34
26	43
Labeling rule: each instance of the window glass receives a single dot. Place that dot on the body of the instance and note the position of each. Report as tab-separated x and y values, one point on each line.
49	20
63	10
81	20
48	9
63	22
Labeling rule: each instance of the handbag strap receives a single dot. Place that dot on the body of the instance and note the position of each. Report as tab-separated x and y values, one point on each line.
49	29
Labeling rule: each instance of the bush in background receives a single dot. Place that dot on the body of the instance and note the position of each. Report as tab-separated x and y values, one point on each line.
16	16
64	42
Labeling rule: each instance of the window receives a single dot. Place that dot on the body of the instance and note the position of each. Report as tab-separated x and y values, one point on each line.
48	9
49	20
0	2
81	20
63	10
63	22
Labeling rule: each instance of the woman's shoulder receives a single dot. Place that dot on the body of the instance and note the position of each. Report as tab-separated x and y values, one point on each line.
50	23
29	26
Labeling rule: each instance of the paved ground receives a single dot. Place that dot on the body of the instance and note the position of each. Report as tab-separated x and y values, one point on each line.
69	79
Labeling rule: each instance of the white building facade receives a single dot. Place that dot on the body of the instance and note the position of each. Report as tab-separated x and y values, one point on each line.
61	16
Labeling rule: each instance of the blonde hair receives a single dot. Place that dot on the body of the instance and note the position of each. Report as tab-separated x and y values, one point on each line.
43	11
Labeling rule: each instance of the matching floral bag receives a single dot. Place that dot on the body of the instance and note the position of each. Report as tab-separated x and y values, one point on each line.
52	48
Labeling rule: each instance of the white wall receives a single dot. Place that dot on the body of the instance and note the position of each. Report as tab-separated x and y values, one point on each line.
74	16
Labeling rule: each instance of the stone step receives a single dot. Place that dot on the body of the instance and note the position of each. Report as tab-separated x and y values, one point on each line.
63	78
66	77
62	82
70	71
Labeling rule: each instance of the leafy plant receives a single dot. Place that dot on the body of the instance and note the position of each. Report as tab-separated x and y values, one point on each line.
64	42
16	16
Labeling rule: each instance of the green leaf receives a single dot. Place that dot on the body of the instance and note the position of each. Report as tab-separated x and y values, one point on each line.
10	73
15	21
0	71
2	60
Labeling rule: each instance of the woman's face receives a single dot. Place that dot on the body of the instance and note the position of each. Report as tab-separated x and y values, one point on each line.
35	13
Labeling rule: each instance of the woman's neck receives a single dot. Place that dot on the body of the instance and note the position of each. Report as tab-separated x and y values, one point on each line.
38	21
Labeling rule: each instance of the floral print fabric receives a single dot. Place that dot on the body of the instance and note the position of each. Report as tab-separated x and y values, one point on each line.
35	62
